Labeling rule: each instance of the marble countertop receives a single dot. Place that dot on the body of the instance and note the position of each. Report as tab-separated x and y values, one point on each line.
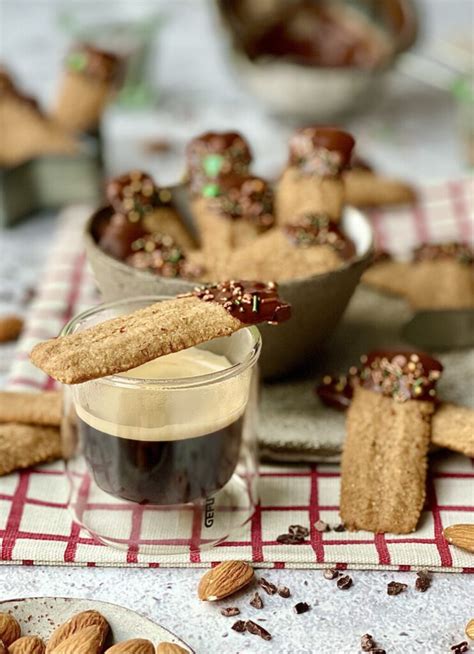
395	134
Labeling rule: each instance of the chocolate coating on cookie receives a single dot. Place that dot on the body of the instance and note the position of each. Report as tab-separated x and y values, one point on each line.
460	252
94	62
243	196
213	154
401	375
118	235
135	194
249	302
337	392
7	86
322	151
159	253
317	229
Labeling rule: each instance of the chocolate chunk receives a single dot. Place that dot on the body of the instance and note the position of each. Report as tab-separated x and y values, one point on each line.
395	588
290	539
367	643
256	601
423	581
331	573
301	607
460	648
239	626
343	583
230	611
267	586
298	530
321	526
283	591
257	630
340	527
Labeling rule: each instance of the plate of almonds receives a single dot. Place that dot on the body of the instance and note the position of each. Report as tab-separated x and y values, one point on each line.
63	625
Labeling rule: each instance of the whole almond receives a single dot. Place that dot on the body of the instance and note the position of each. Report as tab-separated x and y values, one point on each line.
89	640
133	646
10	630
460	535
27	645
470	629
10	328
75	624
224	580
170	648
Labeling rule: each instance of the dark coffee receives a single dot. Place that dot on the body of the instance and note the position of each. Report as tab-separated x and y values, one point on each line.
161	472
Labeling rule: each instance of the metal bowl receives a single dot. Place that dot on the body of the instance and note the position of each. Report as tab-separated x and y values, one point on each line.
318	301
311	92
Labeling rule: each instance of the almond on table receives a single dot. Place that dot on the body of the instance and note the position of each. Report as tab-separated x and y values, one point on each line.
225	579
10	328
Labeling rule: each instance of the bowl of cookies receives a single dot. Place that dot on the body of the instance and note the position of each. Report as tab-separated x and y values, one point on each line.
225	223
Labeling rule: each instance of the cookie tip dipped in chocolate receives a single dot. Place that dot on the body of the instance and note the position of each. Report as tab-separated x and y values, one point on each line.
384	461
126	342
312	179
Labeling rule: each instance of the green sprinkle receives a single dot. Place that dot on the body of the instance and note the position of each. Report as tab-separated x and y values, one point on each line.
77	61
211	191
255	303
212	164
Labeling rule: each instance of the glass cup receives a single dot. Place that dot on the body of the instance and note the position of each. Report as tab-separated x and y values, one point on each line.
164	466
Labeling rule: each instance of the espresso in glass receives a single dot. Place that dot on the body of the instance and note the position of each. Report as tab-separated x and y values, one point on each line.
155	448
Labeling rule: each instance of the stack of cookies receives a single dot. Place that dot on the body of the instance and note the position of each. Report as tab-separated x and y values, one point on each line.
29	429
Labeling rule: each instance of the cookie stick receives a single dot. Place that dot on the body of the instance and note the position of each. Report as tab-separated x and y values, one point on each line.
453	428
232	212
25	132
443	284
384	459
31	408
309	247
128	341
364	188
312	179
389	276
87	86
22	446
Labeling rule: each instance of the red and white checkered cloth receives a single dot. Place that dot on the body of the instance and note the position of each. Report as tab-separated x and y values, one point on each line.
36	526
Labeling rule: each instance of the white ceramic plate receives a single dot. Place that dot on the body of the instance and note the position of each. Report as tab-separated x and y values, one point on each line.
41	615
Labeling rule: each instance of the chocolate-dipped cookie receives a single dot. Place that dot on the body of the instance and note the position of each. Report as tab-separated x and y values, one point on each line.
388	428
90	79
312	180
212	155
233	211
25	131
